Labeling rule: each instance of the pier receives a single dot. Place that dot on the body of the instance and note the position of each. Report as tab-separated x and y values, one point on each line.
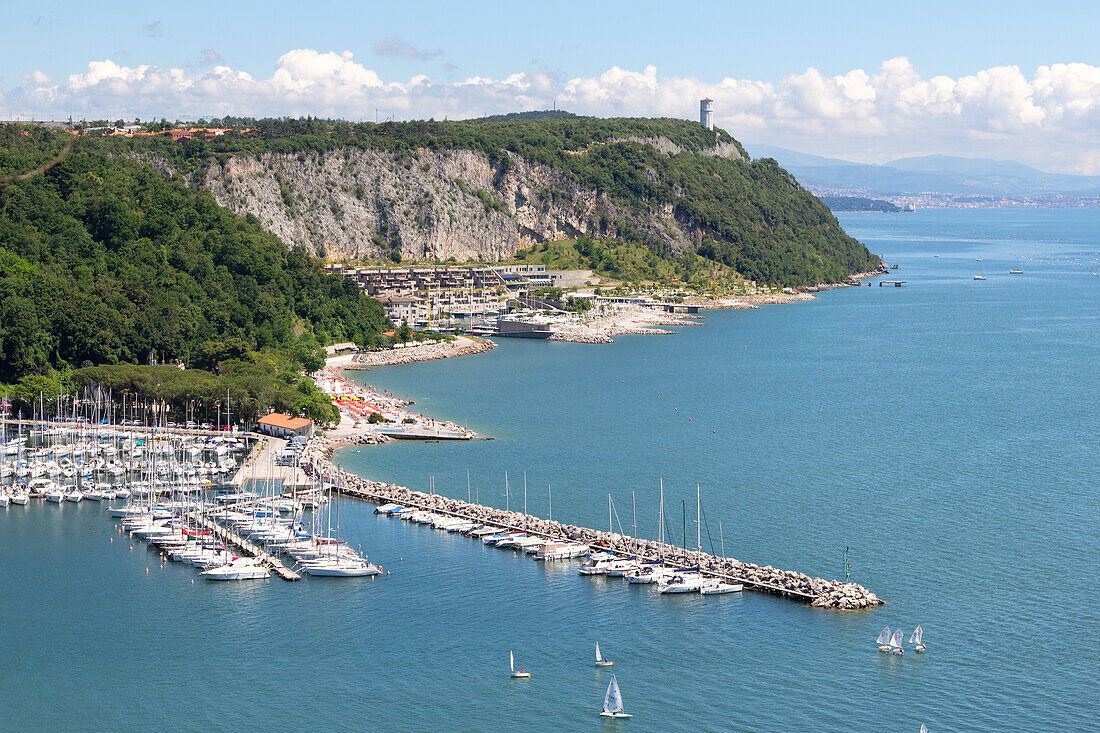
787	584
243	546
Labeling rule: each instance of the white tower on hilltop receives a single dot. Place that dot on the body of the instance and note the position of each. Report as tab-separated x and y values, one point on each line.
705	113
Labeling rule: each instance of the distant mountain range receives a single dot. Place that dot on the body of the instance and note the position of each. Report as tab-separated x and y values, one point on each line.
927	174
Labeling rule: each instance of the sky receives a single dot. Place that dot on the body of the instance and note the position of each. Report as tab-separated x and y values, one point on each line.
859	80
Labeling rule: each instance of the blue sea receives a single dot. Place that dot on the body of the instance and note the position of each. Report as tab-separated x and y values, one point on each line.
946	432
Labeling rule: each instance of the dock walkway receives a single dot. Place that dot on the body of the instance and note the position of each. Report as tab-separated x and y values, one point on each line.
244	546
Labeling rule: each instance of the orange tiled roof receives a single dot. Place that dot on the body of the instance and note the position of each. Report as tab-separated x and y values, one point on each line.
279	420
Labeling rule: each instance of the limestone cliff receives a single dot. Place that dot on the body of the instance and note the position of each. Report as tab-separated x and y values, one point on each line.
353	203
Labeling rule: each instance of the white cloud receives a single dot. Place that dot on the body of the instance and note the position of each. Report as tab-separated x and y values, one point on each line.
394	47
1050	119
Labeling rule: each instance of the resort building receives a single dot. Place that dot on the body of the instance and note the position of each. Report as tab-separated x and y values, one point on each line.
284	426
435	290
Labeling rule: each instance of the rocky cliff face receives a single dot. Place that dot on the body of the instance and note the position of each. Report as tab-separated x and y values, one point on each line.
355	203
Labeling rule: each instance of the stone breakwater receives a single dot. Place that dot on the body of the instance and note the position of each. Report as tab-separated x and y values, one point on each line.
421	352
816	591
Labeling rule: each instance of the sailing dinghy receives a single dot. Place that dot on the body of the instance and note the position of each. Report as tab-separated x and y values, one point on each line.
600	661
522	673
917	639
895	642
883	640
613	702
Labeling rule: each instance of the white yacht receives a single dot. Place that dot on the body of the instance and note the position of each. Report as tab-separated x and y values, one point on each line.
649	573
238	568
682	581
344	567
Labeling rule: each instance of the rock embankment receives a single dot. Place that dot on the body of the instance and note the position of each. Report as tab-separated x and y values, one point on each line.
461	346
817	591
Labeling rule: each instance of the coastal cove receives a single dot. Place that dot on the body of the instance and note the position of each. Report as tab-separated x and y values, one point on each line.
942	430
914	425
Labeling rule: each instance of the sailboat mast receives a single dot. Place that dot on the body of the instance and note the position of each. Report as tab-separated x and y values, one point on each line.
634	514
468	497
698	521
550	493
524	501
721	538
661	517
506	508
610	528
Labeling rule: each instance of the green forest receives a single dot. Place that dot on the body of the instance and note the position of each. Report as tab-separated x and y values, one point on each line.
751	216
104	261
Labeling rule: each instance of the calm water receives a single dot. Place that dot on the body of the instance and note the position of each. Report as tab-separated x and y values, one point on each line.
946	431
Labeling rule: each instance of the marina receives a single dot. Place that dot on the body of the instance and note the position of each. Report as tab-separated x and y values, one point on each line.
161	491
788	483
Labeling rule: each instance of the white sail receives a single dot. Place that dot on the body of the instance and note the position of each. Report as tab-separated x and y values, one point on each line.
923	728
613	700
511	661
598	657
917	637
895	640
884	637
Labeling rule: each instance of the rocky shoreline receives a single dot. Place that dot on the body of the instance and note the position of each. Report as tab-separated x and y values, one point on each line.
461	346
818	592
630	321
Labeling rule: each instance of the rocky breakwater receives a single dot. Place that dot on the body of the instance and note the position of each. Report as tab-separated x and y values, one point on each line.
461	346
799	586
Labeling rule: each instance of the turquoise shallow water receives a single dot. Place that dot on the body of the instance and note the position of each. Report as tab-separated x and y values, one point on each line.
946	431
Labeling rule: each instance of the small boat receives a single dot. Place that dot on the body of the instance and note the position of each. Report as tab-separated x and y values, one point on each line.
613	702
648	572
520	674
917	639
717	587
687	580
1015	272
979	277
895	642
237	569
601	661
883	640
596	564
923	728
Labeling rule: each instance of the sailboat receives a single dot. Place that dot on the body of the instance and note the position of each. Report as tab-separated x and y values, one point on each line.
600	661
917	639
1018	269
895	642
883	640
522	673
923	728
981	275
613	702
